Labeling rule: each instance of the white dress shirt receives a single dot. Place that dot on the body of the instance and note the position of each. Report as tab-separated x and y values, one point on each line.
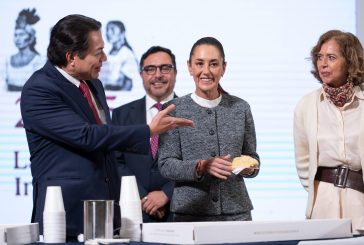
151	110
76	82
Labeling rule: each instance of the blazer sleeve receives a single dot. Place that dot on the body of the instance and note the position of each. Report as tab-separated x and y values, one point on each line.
170	162
301	144
250	141
50	111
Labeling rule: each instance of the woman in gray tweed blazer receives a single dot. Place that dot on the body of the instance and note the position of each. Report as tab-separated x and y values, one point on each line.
199	159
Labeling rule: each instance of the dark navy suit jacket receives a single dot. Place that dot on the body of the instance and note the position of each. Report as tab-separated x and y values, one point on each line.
67	147
144	167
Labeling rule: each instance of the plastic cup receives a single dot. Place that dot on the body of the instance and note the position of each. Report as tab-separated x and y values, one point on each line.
54	200
129	190
130	208
54	216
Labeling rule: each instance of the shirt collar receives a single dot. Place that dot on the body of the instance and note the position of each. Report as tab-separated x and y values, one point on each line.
70	78
150	102
204	102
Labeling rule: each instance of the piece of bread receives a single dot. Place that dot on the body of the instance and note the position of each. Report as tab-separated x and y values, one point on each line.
244	162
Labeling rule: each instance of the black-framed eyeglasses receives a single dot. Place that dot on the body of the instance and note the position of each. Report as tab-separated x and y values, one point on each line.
152	69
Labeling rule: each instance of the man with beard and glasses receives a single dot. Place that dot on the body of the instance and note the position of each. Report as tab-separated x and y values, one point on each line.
158	72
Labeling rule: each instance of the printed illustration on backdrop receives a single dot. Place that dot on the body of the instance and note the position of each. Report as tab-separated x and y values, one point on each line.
121	67
20	66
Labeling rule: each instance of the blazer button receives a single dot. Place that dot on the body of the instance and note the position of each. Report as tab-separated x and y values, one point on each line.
107	180
212	132
215	198
209	111
213	154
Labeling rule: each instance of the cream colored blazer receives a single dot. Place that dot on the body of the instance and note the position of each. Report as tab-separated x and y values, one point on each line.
305	141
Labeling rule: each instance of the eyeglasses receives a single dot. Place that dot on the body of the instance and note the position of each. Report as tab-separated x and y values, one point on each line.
152	69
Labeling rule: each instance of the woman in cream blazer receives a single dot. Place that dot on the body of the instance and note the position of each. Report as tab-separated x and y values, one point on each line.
329	131
305	140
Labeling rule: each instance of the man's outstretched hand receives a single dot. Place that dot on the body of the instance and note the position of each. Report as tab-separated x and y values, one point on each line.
163	122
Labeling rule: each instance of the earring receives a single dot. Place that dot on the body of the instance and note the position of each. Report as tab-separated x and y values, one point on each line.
349	79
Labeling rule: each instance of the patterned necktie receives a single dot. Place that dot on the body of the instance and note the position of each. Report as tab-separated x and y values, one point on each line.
154	140
87	94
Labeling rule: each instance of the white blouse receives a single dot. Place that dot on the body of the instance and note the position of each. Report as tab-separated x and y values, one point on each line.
338	137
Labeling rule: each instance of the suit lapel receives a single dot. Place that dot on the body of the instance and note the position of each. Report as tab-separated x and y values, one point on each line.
137	114
99	95
74	96
72	93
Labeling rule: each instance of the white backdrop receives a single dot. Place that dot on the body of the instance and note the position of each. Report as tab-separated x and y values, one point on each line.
266	44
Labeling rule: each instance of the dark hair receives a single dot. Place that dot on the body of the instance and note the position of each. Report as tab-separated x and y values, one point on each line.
350	49
70	34
26	18
214	42
121	26
156	49
118	23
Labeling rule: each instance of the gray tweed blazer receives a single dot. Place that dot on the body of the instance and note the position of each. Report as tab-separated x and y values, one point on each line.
225	129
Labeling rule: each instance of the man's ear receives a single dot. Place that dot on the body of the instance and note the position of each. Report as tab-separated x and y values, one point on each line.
70	57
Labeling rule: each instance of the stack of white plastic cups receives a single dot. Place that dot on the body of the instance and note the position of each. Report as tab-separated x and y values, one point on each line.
131	209
54	216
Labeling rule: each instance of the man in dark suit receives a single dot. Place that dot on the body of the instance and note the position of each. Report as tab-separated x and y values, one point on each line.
158	71
69	139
